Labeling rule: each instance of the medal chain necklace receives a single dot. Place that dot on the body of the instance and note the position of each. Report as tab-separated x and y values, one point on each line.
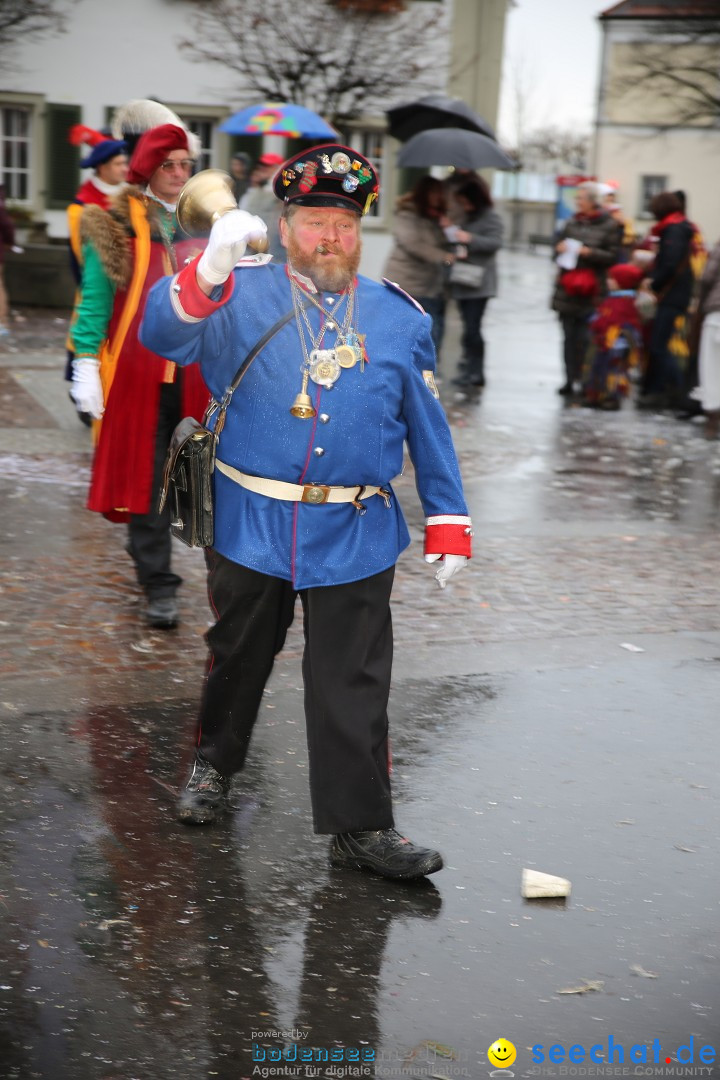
324	366
331	316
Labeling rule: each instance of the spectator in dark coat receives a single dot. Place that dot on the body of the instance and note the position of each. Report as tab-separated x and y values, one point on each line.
672	282
240	172
480	234
579	288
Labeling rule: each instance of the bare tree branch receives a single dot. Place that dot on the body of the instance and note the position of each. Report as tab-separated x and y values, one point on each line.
556	149
26	20
339	61
680	66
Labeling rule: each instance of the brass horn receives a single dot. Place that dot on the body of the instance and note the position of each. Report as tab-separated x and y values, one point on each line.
203	200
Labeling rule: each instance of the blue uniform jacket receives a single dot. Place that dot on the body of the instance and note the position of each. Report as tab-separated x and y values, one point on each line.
356	438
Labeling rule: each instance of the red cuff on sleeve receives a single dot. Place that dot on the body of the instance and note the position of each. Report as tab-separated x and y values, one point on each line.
448	539
188	297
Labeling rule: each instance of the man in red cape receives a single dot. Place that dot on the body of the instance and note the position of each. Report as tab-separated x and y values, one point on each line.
135	396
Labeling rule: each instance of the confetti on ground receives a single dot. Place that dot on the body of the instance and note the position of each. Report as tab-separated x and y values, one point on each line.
587	987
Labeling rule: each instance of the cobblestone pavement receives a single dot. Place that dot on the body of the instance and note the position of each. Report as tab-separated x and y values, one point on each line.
554	708
585	523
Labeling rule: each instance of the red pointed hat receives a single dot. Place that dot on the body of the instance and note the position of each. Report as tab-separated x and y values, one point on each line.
627	275
328	175
153	148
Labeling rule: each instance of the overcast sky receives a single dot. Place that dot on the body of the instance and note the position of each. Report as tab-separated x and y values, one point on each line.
552	53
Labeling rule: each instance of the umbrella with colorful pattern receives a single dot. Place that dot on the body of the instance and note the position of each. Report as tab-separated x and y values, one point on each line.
278	118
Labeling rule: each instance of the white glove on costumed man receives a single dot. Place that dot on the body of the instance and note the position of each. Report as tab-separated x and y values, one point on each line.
449	567
86	389
443	532
229	237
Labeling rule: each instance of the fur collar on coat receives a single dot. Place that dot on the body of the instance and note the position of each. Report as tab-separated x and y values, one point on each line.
110	231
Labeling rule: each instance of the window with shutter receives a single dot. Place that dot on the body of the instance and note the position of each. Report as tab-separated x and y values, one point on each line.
15	151
62	161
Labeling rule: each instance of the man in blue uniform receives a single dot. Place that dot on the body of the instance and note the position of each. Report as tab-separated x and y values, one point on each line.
303	503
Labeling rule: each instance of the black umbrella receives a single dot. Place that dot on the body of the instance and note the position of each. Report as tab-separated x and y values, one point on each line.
453	146
434	111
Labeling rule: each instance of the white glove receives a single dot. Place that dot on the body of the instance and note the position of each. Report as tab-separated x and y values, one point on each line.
450	566
86	388
228	240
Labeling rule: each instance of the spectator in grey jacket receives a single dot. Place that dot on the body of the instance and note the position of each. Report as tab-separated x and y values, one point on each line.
480	234
421	253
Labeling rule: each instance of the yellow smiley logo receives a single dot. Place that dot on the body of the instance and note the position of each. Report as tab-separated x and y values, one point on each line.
502	1053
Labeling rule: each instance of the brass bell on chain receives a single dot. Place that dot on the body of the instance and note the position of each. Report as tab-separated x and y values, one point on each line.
204	199
302	406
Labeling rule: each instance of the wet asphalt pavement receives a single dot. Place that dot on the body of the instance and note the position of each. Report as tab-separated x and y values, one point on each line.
525	734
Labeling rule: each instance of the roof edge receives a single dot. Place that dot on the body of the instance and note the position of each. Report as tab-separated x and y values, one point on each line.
678	14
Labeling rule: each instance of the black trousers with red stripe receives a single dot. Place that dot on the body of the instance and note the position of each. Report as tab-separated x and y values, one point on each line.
346	671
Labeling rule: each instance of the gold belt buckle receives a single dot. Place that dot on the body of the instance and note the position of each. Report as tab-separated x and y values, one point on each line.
317	494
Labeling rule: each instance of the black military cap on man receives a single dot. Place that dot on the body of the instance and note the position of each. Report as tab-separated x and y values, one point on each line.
328	175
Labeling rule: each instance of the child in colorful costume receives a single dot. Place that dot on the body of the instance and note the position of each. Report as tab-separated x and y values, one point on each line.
615	340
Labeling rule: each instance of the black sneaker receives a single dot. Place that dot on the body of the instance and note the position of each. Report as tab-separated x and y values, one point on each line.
204	796
385	852
162	612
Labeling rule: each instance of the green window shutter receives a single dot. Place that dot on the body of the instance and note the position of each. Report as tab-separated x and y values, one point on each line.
62	159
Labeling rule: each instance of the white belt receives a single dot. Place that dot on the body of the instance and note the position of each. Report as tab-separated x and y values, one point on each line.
316	494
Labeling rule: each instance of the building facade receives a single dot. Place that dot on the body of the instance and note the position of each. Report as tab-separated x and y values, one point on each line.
115	52
658	111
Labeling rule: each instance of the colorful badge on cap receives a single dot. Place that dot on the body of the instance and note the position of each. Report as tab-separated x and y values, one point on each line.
308	180
340	163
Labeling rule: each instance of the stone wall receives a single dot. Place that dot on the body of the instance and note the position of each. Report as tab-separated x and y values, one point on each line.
40	277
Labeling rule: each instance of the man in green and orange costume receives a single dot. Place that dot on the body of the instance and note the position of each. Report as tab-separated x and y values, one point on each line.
135	396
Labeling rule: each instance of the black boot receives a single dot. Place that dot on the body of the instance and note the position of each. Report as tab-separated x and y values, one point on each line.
162	612
204	796
385	852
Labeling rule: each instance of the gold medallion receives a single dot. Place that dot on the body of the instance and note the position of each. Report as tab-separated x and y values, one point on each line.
346	356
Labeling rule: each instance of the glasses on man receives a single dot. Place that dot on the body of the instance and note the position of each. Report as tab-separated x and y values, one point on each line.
185	164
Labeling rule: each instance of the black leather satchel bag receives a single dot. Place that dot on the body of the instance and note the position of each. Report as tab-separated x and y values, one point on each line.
187	478
187	483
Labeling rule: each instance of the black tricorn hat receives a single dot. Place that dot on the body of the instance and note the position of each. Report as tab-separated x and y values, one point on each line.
328	175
